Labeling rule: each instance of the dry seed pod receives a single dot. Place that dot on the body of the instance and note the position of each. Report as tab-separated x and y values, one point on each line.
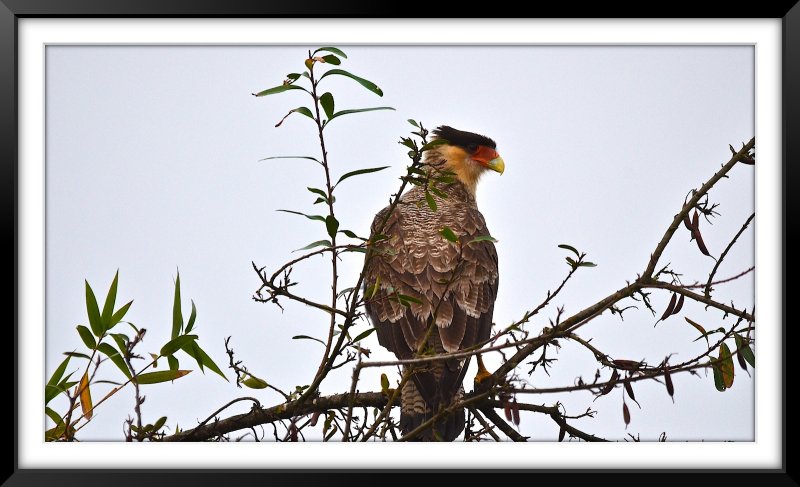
687	222
561	434
678	306
626	414
515	412
668	382
507	410
700	244
670	307
611	383
629	390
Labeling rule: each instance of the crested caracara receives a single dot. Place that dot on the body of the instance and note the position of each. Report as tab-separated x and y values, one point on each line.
453	286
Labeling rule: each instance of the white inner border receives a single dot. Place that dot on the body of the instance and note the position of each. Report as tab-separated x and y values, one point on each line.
35	34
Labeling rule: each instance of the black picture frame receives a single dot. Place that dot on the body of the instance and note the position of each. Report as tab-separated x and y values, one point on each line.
13	10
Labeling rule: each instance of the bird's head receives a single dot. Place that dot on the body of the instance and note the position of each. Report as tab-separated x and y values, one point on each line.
466	154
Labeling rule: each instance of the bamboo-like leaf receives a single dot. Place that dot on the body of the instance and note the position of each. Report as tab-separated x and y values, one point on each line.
413	122
318	243
121	340
177	315
699	328
405	298
54	416
310	217
670	307
86	396
570	248
363	82
115	357
448	234
77	355
587	264
173	362
359	172
483	238
431	202
119	314
357	110
87	337
175	344
291	157
192	318
363	335
306	337
161	376
111	298
679	305
194	350
334	50
726	365
279	89
302	110
95	321
58	373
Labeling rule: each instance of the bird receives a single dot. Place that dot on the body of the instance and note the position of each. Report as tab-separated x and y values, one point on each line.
432	294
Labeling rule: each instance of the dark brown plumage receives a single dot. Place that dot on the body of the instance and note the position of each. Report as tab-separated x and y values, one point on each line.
455	284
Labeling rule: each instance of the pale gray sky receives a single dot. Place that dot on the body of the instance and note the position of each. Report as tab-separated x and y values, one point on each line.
152	166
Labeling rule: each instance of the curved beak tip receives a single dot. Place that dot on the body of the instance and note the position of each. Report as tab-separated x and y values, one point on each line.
497	164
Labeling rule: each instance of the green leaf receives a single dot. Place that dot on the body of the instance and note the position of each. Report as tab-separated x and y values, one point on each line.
159	423
306	337
291	157
334	50
363	335
448	234
58	373
357	110
587	264
54	416
718	382
192	318
293	76
302	110
437	192
326	100
254	382
318	191
177	316
51	391
384	383
115	357
431	202
358	172
87	337
363	82
318	243
117	317
310	217
331	59
407	298
121	340
350	234
332	224
162	376
95	321
483	238
726	366
175	344
191	350
198	353
173	363
279	89
413	122
698	327
111	298
77	355
745	350
570	248
433	144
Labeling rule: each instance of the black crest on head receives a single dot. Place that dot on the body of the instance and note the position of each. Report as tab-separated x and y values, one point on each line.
461	138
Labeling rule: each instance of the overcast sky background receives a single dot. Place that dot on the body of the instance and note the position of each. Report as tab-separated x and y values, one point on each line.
152	167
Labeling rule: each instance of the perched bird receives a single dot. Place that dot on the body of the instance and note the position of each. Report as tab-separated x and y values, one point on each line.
433	295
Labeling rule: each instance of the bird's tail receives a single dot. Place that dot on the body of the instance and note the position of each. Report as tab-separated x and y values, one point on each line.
415	410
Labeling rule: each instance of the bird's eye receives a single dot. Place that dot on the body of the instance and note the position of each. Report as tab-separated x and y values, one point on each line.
472	147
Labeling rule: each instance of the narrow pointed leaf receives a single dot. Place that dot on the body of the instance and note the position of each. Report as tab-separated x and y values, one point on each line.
629	390
87	337
357	110
431	202
177	316
199	354
95	321
678	305
363	335
334	50
115	357
726	366
121	340
278	89
173	363
302	110
158	377
360	171
175	344
363	82
483	238
192	318
310	217
86	396
54	416
433	144
119	314
318	243
58	373
668	382
306	337
111	298
291	157
670	307
570	248
699	328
